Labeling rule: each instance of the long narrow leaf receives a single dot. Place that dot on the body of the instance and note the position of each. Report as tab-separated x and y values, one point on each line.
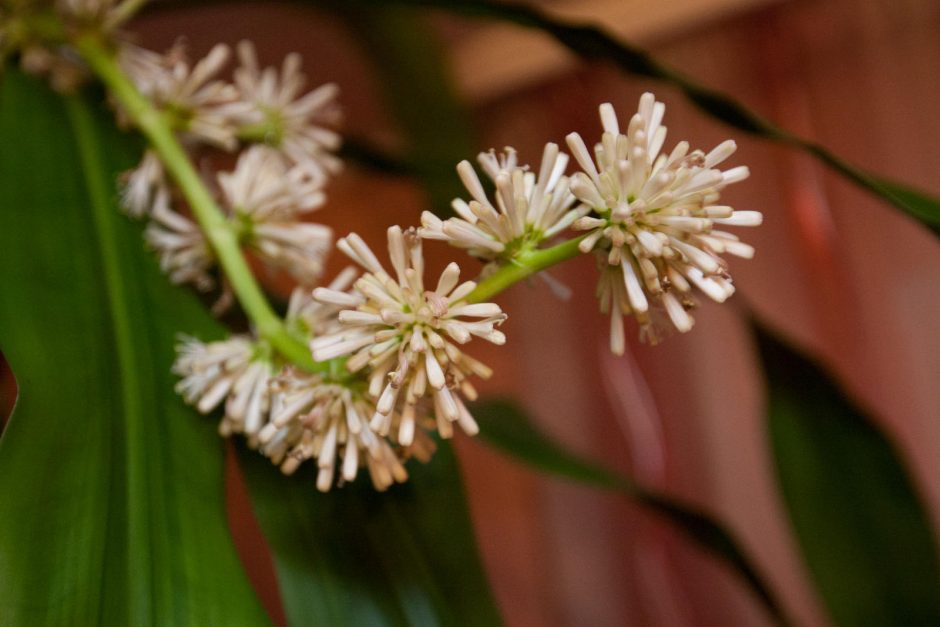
864	532
359	557
506	427
111	490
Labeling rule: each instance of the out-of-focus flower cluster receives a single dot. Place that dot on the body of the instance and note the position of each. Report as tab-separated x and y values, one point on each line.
283	131
38	30
286	158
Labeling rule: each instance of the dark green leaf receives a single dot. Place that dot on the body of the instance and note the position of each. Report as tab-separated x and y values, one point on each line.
863	530
111	494
359	557
506	427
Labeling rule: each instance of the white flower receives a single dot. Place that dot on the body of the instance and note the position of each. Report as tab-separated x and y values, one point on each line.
237	371
190	93
407	336
329	422
297	123
527	208
184	253
266	197
654	220
142	185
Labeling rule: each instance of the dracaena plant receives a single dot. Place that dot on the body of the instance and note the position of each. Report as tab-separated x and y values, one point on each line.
365	372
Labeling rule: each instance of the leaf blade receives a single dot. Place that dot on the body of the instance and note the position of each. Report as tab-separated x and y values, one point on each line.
403	557
856	513
104	516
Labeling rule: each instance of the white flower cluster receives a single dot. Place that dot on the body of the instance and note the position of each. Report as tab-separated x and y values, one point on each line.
278	178
291	416
405	338
653	221
527	209
288	416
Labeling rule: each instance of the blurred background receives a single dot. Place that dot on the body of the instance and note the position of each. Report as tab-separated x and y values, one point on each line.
849	278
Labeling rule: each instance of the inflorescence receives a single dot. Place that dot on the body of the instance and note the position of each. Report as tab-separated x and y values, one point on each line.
389	349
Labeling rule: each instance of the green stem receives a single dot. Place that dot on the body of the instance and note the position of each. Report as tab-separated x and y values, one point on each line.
526	264
214	225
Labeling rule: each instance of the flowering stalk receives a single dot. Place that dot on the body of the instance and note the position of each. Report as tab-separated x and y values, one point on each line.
525	264
218	232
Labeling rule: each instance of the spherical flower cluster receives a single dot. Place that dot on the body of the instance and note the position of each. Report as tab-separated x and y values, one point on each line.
407	337
288	416
653	221
527	209
279	176
192	93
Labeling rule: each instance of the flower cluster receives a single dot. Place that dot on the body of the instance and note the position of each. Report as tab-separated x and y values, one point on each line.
288	416
291	416
405	337
653	221
278	178
527	209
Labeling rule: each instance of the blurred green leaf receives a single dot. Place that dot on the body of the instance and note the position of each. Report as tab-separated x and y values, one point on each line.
506	427
111	490
857	515
359	557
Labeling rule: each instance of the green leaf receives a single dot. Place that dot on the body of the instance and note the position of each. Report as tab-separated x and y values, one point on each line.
864	532
593	43
505	426
111	490
359	557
